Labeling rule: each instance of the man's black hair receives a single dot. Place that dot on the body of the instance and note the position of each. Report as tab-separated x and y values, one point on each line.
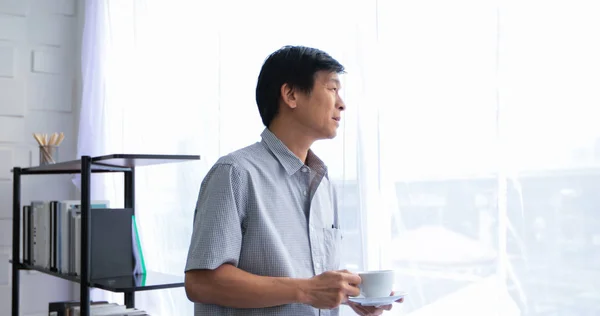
294	65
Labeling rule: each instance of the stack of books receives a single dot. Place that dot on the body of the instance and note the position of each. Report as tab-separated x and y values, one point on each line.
51	236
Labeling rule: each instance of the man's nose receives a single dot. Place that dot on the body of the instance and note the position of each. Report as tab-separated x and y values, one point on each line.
340	105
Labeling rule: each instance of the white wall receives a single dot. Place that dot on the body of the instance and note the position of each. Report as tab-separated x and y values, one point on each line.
39	92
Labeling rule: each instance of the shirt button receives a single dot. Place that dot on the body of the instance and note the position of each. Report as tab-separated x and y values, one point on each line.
304	193
304	169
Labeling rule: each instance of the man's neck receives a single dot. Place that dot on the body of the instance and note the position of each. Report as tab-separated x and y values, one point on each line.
292	137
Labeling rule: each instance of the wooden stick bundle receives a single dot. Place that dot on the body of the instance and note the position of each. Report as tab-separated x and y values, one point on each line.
44	141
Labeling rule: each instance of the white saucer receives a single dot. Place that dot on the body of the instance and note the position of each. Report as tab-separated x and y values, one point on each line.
377	301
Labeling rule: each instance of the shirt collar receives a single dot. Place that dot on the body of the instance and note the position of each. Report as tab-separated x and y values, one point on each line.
290	162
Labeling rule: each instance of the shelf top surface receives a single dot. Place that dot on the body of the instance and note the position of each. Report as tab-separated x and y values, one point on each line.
110	163
149	281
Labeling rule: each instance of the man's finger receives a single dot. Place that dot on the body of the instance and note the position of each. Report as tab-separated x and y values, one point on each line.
386	307
399	300
359	309
351	290
351	278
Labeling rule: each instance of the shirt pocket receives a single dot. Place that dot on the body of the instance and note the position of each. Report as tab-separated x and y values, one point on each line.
333	245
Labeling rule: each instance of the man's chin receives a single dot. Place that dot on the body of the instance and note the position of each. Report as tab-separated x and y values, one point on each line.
332	134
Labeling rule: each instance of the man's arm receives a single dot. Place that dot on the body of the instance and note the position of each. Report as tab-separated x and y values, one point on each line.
233	287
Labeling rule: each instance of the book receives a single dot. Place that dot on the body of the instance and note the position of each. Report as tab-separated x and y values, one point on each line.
138	256
51	238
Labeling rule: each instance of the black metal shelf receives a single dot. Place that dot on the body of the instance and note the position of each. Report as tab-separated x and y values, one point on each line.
86	166
134	283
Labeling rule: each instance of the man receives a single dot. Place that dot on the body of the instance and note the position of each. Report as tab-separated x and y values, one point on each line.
266	237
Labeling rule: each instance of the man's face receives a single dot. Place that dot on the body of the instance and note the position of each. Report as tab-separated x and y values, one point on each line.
320	111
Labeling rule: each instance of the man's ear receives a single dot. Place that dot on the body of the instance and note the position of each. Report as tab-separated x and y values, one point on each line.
288	95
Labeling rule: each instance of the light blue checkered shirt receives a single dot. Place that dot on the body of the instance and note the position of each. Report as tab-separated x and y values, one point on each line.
264	211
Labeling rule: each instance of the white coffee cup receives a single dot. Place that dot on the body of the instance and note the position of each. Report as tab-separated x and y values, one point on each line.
378	283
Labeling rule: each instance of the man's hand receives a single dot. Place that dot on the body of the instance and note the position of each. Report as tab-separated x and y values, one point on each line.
330	289
371	310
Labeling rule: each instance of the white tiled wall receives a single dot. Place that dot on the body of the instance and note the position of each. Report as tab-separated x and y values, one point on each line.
39	92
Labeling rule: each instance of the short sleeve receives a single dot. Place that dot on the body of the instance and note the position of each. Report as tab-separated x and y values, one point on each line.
217	235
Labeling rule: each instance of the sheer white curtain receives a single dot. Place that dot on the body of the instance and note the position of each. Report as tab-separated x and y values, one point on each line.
489	148
466	161
179	78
